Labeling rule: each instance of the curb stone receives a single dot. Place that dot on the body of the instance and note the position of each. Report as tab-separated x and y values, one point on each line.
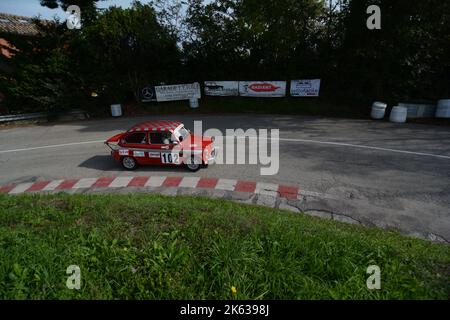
287	197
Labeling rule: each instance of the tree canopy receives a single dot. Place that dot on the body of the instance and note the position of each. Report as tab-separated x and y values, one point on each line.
118	50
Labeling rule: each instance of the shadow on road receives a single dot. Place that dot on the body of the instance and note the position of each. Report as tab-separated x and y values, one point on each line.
107	163
103	162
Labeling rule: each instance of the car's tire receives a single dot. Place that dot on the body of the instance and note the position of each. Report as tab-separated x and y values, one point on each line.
194	164
129	163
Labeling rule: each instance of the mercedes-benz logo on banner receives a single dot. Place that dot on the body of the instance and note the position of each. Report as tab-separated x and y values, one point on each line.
148	94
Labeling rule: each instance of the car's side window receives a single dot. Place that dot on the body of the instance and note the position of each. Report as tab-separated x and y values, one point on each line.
156	138
161	137
136	137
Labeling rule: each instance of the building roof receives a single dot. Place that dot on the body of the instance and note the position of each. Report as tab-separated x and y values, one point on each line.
156	125
10	23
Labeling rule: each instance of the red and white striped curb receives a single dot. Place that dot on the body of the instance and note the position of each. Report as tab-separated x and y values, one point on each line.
271	189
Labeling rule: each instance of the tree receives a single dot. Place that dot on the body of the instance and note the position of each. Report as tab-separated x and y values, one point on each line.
88	7
126	49
40	77
114	56
256	38
405	59
118	51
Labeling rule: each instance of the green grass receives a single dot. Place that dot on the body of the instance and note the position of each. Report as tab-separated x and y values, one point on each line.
197	248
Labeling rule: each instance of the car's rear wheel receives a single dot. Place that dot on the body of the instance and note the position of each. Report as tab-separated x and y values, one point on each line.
129	163
194	164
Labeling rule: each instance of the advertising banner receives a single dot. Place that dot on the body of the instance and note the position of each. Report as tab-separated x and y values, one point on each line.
305	88
221	88
262	88
178	92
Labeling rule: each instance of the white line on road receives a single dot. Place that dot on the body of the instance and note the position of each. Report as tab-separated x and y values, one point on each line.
368	147
51	146
281	139
342	144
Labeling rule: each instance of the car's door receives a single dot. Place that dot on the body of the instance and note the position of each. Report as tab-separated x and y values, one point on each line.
137	145
163	143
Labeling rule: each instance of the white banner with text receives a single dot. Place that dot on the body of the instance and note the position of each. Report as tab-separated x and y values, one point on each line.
178	92
305	88
221	88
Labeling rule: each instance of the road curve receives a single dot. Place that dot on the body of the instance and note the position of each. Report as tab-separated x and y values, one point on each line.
393	175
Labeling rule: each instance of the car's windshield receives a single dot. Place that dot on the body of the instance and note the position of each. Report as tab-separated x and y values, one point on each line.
183	133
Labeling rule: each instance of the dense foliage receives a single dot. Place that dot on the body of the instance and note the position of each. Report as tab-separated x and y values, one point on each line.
117	51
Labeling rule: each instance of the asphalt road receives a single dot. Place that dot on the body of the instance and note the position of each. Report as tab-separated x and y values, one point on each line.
393	175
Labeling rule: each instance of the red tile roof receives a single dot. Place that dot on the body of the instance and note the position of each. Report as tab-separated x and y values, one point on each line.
17	24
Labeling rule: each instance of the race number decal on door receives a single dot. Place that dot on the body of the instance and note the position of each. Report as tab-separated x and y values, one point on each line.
170	158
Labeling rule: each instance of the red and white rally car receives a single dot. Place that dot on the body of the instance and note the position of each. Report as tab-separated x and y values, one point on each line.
161	143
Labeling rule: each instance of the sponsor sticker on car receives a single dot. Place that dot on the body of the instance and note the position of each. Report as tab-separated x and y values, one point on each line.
153	154
139	153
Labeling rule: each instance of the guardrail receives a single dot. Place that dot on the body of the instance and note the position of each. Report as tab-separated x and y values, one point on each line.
38	115
26	116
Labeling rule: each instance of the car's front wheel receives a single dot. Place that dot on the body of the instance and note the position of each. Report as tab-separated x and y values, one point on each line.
129	163
194	164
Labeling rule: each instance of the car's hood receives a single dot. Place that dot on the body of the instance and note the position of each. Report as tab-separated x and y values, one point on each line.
115	138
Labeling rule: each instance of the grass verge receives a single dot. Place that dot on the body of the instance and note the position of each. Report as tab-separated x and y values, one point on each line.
157	247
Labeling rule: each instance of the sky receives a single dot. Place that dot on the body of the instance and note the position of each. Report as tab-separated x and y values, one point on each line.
31	8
